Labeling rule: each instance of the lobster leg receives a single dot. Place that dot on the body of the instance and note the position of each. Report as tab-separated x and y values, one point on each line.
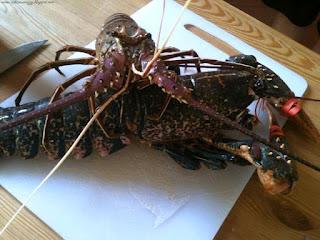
157	116
215	63
168	55
143	84
190	155
103	141
169	49
72	48
93	109
50	65
182	54
104	105
179	154
59	90
176	62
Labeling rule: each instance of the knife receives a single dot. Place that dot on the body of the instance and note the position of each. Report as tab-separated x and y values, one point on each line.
15	55
216	42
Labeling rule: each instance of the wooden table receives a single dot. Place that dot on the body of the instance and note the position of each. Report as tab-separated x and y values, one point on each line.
256	215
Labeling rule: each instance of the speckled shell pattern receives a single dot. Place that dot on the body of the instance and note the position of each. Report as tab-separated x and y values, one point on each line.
64	127
180	121
225	91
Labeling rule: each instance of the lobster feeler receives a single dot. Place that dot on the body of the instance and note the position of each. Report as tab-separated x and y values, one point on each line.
156	56
160	28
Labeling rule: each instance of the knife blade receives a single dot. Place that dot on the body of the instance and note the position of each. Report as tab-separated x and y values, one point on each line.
15	55
213	40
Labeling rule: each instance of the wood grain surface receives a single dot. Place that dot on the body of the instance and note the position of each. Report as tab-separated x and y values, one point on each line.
27	226
256	215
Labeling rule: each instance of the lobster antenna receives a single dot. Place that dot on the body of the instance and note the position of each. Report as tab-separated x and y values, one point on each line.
217	116
156	56
160	28
66	155
308	99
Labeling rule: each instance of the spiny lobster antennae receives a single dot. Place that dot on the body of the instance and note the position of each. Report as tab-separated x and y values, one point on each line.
219	117
160	28
156	56
308	99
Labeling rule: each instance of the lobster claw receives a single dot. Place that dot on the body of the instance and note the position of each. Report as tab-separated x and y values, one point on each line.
273	185
292	109
276	172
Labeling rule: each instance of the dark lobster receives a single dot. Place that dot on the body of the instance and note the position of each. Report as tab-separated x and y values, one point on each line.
184	119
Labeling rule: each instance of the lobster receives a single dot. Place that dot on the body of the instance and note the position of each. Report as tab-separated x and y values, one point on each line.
182	115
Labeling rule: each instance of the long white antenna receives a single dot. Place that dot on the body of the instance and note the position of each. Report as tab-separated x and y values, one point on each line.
175	25
156	56
84	130
160	28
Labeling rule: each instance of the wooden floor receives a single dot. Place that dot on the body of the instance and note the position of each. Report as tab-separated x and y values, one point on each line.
307	36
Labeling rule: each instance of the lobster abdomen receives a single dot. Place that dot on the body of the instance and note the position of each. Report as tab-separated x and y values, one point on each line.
63	129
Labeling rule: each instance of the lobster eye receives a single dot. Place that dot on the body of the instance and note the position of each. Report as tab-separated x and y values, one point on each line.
259	85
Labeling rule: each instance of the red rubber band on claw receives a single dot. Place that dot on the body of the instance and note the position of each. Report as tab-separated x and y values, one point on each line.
291	108
275	130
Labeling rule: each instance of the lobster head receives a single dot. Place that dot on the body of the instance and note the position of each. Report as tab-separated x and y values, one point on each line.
269	86
275	91
121	33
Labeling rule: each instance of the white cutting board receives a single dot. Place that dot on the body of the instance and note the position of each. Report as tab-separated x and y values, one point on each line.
136	193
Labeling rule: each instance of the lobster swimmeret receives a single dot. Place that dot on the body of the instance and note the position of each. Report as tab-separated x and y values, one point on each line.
182	115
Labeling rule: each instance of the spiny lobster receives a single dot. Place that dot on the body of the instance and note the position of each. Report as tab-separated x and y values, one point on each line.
184	119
